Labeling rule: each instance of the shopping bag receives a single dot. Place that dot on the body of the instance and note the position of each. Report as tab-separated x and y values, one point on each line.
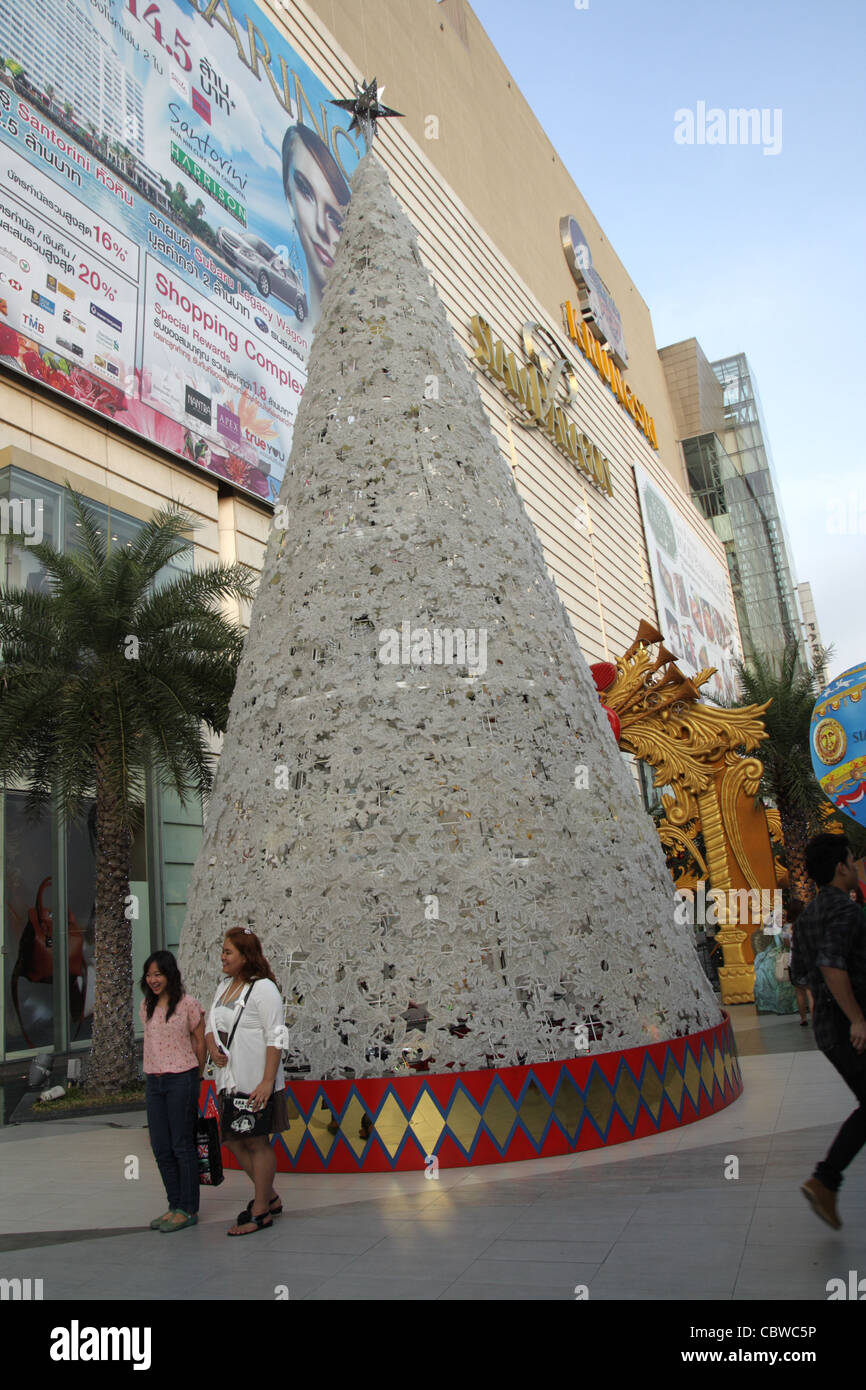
208	1152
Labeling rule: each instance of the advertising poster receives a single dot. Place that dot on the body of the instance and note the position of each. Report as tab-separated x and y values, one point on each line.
837	735
173	184
695	611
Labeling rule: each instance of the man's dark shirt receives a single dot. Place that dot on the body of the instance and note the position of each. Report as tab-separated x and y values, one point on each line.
831	931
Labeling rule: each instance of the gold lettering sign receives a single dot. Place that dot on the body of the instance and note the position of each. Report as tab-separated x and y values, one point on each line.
608	371
534	394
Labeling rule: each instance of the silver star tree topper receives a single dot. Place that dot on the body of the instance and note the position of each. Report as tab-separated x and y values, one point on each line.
367	109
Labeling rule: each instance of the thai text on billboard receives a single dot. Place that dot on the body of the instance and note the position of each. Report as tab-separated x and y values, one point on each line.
693	596
173	184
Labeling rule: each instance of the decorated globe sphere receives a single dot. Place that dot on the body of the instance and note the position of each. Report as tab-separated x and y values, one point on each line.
837	738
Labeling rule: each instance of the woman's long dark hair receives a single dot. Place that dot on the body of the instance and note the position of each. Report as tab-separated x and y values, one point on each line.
255	967
167	966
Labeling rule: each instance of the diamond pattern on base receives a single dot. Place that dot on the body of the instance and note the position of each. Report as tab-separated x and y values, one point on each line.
443	1117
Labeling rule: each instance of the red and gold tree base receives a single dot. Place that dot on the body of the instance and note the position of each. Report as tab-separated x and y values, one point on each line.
504	1115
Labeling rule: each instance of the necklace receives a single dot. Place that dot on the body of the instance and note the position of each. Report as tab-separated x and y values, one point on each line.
233	991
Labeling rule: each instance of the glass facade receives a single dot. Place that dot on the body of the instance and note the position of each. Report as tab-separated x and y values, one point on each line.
733	482
48	866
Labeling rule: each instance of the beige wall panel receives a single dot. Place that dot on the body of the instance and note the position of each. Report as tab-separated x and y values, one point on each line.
75	433
493	153
16	407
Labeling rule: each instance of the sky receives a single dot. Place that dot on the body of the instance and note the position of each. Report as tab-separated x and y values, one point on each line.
762	253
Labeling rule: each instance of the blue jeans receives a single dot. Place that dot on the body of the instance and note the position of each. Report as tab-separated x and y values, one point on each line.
172	1109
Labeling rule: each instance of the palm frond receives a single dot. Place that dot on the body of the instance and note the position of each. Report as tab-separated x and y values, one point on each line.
106	672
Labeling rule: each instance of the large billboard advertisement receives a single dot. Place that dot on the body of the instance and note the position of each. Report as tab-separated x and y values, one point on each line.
692	590
173	183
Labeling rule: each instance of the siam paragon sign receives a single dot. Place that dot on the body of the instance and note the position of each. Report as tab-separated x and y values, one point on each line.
597	305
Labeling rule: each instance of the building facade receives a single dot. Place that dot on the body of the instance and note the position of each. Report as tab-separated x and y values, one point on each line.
732	480
492	203
812	633
761	538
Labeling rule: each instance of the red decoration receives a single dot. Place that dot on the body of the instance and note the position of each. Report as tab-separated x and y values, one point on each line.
613	719
603	673
662	1074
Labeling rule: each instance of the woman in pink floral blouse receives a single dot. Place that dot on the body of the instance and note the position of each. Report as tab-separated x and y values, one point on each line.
174	1059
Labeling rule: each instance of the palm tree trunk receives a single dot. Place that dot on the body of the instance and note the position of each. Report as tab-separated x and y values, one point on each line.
795	832
112	1065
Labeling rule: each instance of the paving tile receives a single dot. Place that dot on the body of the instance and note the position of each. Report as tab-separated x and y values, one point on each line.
662	1290
298	1286
811	1231
559	1251
689	1270
346	1242
542	1273
596	1208
464	1292
458	1222
378	1288
414	1244
775	1291
813	1281
605	1230
143	1283
408	1265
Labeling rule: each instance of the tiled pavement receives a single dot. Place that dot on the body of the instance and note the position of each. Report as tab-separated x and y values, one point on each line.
655	1219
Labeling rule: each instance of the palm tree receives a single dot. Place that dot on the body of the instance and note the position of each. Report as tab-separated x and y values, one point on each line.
106	676
179	202
789	782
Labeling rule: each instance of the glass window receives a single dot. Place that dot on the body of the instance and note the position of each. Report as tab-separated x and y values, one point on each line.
42	511
31	514
28	928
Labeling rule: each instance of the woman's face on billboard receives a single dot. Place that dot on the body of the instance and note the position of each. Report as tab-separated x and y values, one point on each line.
318	215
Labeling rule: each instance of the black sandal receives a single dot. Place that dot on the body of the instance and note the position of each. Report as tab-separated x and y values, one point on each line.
247	1213
261	1222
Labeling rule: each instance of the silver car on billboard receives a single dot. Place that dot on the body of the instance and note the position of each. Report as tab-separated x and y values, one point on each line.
265	267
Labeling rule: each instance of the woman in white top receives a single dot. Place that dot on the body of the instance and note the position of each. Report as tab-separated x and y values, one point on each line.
246	1048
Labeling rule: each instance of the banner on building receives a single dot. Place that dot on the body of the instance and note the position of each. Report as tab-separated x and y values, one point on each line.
692	592
172	187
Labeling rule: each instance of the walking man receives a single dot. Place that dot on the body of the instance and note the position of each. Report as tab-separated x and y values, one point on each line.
830	952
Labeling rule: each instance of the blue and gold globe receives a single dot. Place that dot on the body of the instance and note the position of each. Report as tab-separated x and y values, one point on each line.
837	737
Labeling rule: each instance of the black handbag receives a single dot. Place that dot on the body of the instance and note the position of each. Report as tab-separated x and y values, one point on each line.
240	1121
208	1152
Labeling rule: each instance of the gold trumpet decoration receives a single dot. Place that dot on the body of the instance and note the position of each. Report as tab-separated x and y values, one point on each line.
701	753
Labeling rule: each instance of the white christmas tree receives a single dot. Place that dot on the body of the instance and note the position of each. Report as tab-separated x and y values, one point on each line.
420	807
